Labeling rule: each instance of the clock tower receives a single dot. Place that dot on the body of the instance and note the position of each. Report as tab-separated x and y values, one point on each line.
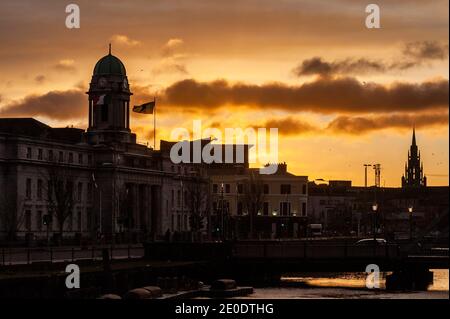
109	103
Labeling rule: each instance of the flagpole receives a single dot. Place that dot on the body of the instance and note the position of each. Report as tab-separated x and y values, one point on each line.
154	124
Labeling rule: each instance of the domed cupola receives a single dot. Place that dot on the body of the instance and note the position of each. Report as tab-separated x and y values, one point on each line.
110	64
109	102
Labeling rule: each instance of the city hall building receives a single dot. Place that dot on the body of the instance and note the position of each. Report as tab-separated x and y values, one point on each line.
97	183
101	185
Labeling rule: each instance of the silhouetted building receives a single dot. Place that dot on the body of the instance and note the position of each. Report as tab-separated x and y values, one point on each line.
414	176
93	184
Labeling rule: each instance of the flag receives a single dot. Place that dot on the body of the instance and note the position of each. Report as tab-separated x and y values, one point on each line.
100	99
146	108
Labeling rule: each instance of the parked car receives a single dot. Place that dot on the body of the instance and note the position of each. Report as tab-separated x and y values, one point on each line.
370	241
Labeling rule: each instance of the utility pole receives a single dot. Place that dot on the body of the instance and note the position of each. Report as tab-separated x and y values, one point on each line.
377	168
365	174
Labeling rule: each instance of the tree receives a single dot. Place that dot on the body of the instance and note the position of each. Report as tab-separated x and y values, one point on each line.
124	200
253	198
12	216
60	194
197	192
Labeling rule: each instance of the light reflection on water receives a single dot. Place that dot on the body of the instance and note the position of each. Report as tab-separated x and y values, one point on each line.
358	280
348	285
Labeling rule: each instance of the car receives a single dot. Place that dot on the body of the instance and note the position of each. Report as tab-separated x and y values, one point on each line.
370	241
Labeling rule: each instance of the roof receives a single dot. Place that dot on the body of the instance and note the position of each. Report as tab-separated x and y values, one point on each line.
23	126
33	128
108	65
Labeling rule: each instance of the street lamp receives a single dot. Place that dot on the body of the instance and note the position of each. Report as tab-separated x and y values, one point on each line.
410	210
222	211
374	209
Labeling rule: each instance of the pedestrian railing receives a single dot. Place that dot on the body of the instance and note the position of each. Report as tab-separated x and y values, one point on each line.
21	256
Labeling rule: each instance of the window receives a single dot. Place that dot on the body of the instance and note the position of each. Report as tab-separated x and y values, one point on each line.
80	158
266	209
304	188
186	226
266	188
303	209
105	112
178	198
285	209
89	192
39	220
28	152
39	189
240	188
227	188
80	191
50	155
90	159
172	198
215	188
28	220
285	189
70	158
40	154
49	190
61	156
70	222
89	219
239	208
79	220
28	188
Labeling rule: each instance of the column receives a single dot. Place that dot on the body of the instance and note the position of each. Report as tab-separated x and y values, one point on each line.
90	113
127	112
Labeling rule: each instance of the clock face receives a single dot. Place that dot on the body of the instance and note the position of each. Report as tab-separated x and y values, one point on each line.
102	82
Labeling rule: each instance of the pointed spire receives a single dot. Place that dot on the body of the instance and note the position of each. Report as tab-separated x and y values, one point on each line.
414	135
110	49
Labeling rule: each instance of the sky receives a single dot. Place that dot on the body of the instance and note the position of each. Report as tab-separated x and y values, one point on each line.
341	94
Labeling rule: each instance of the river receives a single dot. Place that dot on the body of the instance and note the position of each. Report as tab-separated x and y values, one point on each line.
348	285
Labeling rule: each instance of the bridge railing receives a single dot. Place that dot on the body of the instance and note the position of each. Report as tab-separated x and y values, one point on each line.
288	250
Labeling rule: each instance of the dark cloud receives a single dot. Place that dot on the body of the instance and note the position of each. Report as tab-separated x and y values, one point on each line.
323	95
426	50
290	126
40	79
366	124
317	66
58	105
413	54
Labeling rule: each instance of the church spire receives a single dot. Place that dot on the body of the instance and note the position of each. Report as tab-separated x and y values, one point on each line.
414	136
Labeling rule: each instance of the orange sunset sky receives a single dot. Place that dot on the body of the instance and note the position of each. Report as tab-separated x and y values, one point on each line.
341	95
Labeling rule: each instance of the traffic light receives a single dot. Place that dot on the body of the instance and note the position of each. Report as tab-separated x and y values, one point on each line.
47	219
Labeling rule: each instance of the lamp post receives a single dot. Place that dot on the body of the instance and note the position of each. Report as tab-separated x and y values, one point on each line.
410	210
374	209
222	213
182	203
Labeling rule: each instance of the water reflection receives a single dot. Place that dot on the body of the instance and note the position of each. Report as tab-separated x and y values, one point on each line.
358	280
